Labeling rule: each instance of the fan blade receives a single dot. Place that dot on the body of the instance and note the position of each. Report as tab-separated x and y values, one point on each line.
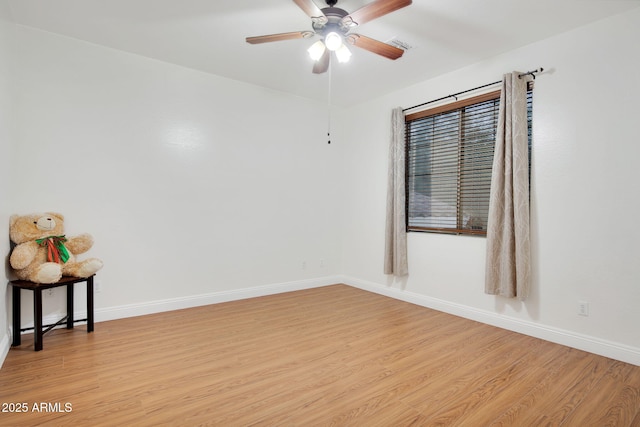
366	43
322	65
373	10
279	37
311	10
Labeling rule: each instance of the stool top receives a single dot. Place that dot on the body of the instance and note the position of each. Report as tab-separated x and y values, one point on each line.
65	280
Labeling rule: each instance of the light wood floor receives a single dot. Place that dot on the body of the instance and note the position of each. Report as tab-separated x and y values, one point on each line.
327	356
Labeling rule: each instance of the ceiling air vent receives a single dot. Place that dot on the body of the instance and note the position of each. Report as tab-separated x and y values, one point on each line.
400	44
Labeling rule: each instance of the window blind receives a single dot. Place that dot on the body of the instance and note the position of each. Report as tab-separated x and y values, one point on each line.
449	161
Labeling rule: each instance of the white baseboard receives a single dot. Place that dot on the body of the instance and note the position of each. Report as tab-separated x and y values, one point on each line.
131	310
5	345
571	339
151	307
560	336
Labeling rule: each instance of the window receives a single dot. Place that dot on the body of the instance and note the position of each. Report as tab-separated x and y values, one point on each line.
449	161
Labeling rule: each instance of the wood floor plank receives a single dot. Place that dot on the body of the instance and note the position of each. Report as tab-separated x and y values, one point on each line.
334	355
494	388
529	401
613	401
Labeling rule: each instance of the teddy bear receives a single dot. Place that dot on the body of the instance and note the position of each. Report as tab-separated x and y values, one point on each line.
42	253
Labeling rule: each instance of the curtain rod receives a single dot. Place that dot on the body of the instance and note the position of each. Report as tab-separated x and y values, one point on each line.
531	73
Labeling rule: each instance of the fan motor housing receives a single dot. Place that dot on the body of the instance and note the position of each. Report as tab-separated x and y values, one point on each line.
334	17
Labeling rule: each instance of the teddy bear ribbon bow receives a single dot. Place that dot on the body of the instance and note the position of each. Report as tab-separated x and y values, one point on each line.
56	251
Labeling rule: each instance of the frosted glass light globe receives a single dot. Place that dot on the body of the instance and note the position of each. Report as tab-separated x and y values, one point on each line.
333	41
316	50
343	54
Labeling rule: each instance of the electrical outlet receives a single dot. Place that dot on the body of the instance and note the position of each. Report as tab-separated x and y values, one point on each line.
304	265
97	286
322	264
50	292
583	308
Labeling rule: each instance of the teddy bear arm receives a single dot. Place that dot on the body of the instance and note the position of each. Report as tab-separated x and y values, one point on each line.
23	254
79	244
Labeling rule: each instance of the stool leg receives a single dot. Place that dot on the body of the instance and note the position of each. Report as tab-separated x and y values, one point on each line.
16	316
70	306
90	304
37	319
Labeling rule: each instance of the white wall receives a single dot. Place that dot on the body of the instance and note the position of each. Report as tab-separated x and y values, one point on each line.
585	195
193	186
6	143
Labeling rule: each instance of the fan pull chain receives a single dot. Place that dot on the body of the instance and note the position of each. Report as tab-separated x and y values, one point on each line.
329	107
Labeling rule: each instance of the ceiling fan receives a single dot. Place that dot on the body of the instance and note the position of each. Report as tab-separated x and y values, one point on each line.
334	25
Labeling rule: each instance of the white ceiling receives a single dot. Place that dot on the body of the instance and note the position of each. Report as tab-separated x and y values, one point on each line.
209	35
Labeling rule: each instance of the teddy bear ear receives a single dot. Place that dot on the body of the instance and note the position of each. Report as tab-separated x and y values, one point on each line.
13	219
56	214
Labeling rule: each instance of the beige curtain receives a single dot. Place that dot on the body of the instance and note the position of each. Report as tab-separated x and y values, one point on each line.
395	256
508	248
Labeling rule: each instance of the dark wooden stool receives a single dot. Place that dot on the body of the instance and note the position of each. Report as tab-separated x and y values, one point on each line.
37	289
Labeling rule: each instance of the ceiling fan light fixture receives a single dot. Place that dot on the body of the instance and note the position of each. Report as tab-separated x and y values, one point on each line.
316	50
343	54
333	41
333	25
